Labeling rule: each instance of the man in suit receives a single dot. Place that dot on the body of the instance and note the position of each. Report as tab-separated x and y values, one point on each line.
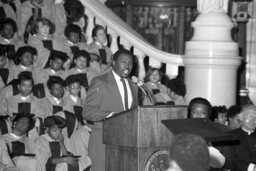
108	94
241	154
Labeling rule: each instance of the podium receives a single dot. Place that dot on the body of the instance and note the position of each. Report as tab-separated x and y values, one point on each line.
136	140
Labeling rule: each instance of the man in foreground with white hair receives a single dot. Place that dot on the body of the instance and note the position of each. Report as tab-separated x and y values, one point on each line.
241	156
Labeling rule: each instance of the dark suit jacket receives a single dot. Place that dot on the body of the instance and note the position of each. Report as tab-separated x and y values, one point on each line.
103	97
242	152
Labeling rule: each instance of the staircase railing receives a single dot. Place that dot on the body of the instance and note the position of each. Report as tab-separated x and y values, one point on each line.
98	13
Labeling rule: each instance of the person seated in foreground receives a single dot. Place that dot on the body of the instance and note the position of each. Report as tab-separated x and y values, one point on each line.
188	152
52	148
21	149
241	155
233	115
176	90
202	108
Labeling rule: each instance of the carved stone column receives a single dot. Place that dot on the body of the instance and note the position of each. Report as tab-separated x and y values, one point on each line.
211	58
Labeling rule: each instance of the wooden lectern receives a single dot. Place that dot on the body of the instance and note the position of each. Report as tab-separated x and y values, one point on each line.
135	136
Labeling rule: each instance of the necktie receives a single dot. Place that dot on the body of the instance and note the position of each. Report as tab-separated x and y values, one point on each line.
125	94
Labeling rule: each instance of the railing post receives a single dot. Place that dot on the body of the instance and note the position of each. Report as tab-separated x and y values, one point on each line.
125	43
90	26
114	45
140	55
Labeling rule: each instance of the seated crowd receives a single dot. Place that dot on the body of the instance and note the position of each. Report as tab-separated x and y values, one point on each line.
46	68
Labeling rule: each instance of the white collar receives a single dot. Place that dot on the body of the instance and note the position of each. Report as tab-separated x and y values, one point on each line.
53	72
98	44
7	40
16	136
46	136
79	70
24	67
117	77
24	98
74	98
41	37
58	101
71	43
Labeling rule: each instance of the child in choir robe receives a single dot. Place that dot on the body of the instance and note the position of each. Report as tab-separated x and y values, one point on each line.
54	155
26	102
97	46
6	74
24	61
77	131
44	41
20	148
5	124
154	85
68	12
72	43
80	68
177	91
8	28
53	102
32	10
12	9
6	163
72	102
54	67
11	89
96	66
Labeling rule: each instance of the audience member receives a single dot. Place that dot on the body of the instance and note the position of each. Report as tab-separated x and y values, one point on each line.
177	91
241	154
202	108
153	84
199	108
188	152
110	93
219	115
234	120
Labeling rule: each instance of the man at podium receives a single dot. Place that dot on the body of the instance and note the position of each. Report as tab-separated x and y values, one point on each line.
108	94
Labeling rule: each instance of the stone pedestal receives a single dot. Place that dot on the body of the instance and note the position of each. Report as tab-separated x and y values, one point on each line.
211	60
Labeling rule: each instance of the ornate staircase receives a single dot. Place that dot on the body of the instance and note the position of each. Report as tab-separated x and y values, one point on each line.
121	33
